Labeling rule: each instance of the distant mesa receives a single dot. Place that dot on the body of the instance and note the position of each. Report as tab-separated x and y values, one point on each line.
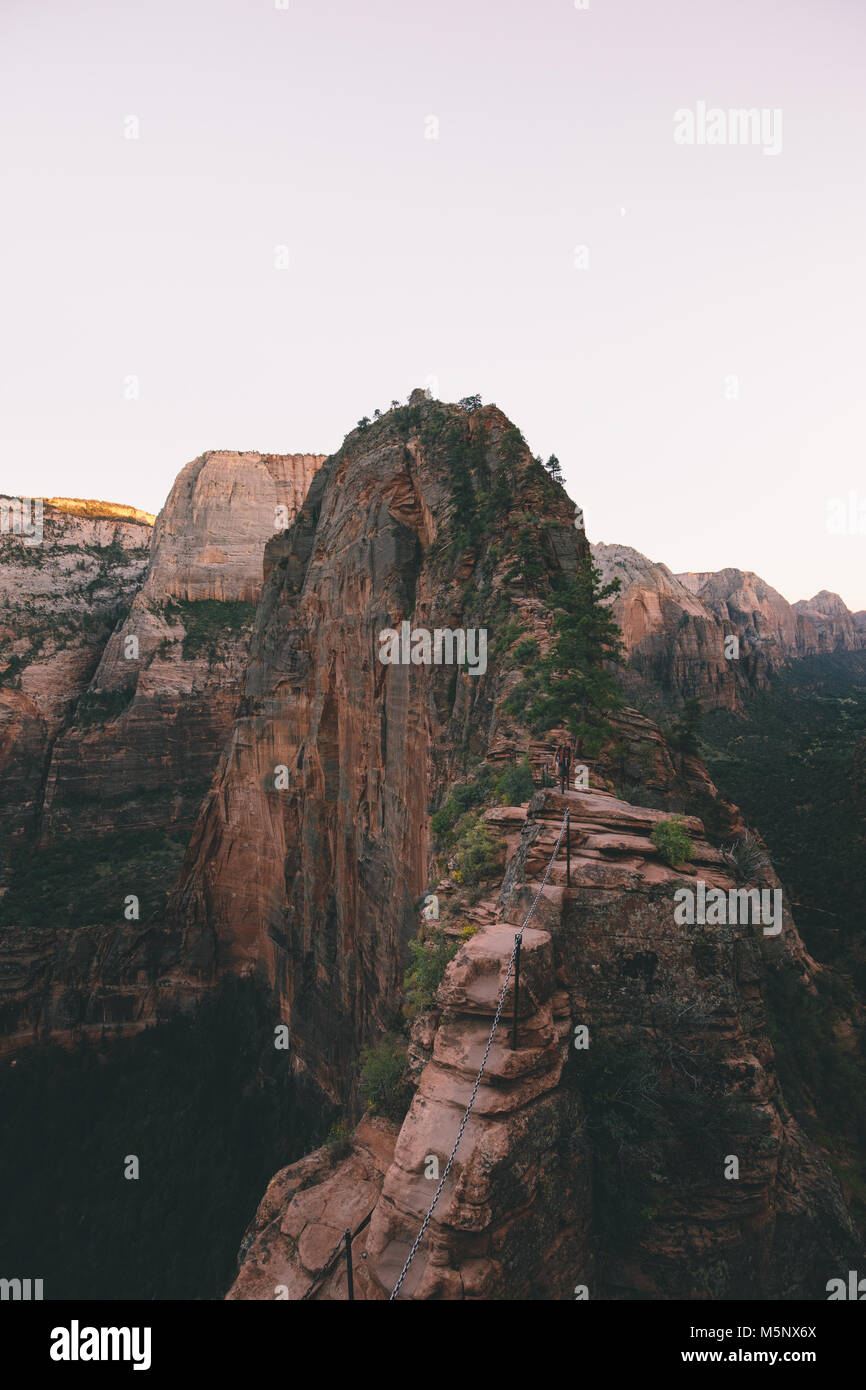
109	511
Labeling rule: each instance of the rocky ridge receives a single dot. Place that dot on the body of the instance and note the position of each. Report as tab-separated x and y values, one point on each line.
328	905
515	1219
314	843
675	628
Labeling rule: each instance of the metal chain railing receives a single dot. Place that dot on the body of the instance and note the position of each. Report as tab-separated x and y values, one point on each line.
344	1243
517	940
317	1278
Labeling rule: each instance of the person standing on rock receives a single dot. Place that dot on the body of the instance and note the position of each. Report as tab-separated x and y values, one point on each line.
562	763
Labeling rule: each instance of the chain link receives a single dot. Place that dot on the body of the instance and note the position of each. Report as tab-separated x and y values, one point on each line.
518	938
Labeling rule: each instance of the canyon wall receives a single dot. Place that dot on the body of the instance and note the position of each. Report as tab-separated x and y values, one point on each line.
675	628
316	845
140	754
313	845
250	752
60	597
595	1166
674	642
133	716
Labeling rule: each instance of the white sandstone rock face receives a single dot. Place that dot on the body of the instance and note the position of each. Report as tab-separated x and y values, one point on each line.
60	599
209	537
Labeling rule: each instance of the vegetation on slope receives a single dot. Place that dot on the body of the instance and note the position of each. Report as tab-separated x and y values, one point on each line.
209	1107
84	882
796	765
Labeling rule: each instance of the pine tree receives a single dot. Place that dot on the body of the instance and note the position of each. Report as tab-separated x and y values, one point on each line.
554	468
579	689
685	733
528	563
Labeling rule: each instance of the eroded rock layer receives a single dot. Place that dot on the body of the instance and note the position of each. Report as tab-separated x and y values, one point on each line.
677	629
241	717
316	845
116	734
515	1218
61	593
314	842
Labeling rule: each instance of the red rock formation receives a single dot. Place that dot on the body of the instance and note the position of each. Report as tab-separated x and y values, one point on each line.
209	537
514	1219
674	629
836	629
306	1210
149	765
322	899
674	642
315	884
59	600
314	843
128	748
767	623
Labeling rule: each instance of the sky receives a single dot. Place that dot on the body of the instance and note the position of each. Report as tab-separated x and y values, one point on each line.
244	224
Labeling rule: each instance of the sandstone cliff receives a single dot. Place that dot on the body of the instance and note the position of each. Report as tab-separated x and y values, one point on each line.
314	847
835	627
599	1166
519	1214
164	695
314	842
674	641
59	600
768	624
675	628
131	722
89	506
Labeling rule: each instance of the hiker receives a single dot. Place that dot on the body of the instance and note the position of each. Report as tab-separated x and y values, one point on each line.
562	763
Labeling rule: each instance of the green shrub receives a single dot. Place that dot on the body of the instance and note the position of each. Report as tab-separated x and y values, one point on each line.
210	1104
79	882
515	784
684	735
526	652
520	696
100	706
340	1140
383	1077
671	839
429	956
208	622
462	798
506	636
477	856
13	669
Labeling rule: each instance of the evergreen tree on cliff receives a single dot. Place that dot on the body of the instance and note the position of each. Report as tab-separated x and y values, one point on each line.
578	687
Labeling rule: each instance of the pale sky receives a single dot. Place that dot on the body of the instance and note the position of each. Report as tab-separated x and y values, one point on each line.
447	261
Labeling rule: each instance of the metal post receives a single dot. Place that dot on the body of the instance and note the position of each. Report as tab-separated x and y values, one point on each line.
568	848
348	1240
516	993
